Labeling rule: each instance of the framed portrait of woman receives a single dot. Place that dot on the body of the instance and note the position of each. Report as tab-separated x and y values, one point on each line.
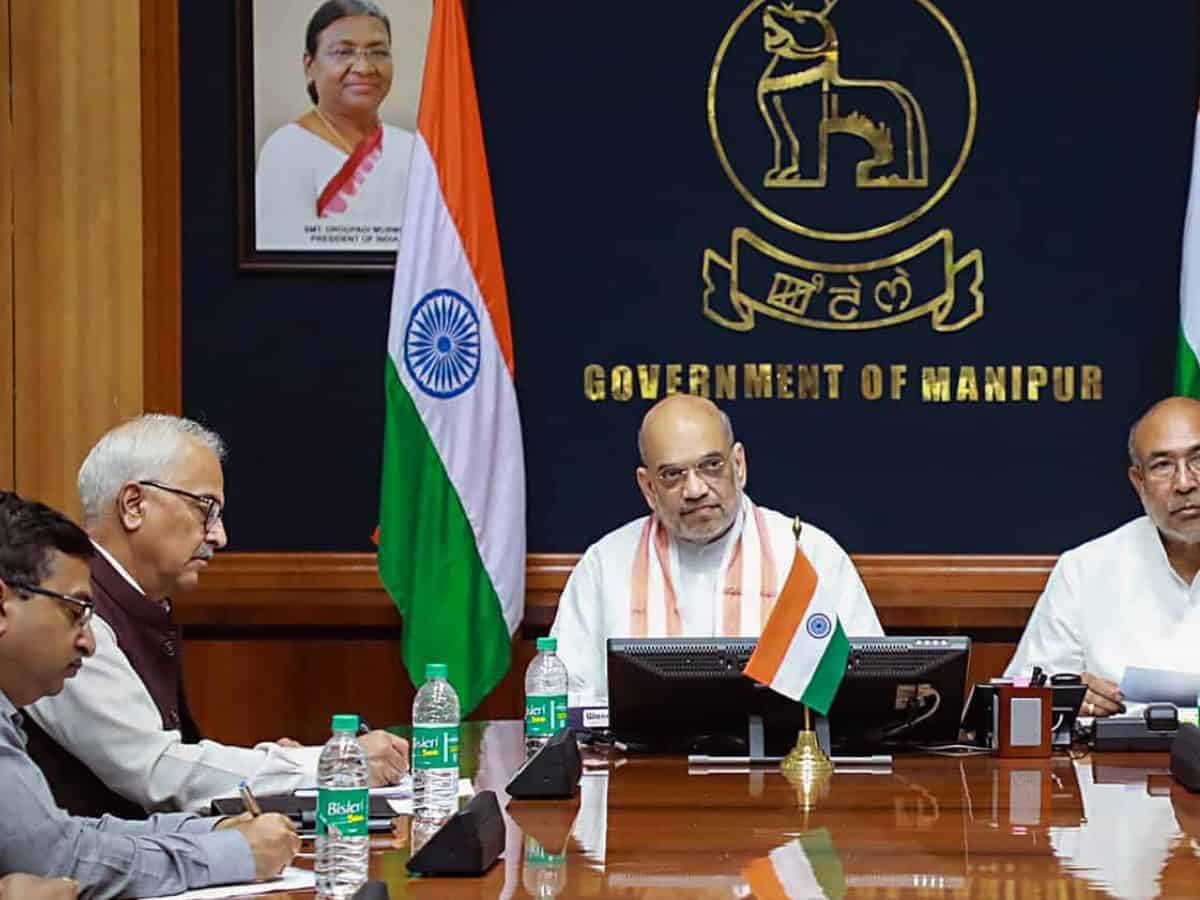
327	106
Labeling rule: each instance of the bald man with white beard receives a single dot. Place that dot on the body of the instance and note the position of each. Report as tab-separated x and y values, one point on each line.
706	562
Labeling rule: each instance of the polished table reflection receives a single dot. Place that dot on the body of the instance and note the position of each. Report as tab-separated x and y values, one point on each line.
926	826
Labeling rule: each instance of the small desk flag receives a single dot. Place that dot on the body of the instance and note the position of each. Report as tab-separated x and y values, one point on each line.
803	650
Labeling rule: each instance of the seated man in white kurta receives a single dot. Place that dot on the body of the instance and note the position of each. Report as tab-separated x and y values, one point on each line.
1130	597
706	562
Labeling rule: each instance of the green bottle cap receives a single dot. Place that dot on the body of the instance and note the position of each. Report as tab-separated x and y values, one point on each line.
547	643
344	722
435	670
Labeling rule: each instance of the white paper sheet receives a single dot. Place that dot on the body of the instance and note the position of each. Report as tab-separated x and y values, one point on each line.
1160	686
402	789
403	806
292	879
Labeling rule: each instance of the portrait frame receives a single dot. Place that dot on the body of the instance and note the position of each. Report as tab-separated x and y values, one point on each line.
249	130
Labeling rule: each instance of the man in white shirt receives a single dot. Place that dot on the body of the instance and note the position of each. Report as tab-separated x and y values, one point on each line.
120	738
706	562
1130	597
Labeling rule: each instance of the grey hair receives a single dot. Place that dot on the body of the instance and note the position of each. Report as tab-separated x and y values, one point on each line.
726	425
141	448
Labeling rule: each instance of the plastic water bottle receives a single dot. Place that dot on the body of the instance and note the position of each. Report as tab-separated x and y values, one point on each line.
545	696
435	746
545	873
343	806
421	831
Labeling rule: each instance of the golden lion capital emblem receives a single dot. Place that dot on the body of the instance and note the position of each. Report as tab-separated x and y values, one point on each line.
834	156
804	98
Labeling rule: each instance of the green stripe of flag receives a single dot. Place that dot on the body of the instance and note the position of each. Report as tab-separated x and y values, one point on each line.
430	564
823	685
1187	371
826	864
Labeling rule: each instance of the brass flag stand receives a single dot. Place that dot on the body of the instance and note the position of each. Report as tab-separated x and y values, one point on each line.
807	767
807	760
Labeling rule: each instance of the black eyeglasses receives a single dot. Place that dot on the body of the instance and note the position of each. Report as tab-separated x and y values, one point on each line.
710	468
212	507
81	609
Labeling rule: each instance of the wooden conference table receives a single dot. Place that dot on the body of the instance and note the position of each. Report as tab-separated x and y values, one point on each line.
925	827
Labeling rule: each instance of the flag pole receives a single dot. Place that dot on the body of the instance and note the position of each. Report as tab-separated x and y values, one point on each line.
807	766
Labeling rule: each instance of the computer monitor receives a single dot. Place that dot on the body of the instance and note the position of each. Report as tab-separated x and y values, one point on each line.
689	695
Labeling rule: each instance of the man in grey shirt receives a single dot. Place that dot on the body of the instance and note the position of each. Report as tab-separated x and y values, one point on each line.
45	636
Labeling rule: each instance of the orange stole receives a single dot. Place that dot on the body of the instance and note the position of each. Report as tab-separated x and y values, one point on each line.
731	609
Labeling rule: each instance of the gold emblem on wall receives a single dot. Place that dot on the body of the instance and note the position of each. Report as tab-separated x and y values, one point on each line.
823	129
793	66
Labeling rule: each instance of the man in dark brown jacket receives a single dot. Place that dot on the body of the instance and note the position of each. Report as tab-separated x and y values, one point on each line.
121	737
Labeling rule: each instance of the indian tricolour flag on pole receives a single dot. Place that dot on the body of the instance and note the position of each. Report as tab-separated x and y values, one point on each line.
803	869
1187	369
452	513
803	650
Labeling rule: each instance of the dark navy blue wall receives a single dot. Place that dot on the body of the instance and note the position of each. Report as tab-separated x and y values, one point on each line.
608	190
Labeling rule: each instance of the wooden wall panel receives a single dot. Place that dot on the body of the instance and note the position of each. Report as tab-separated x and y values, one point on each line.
263	589
161	198
6	272
259	687
248	690
77	248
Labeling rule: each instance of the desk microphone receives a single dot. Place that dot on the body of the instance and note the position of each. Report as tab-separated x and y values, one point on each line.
1185	756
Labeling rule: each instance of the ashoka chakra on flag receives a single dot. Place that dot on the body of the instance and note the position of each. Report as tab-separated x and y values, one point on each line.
819	625
441	344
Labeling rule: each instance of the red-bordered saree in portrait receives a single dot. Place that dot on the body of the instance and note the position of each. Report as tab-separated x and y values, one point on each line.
343	187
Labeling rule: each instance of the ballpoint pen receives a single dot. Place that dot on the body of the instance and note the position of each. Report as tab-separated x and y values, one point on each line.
248	801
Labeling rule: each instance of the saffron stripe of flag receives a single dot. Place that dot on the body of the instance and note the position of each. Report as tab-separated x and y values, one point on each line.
803	650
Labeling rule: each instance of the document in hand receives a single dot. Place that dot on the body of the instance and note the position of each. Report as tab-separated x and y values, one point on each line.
1160	686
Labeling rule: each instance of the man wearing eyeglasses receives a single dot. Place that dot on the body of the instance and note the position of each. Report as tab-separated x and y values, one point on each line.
707	561
45	638
1130	597
120	738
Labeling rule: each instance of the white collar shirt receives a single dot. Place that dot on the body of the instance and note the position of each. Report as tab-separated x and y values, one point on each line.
1112	603
701	573
594	606
106	718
